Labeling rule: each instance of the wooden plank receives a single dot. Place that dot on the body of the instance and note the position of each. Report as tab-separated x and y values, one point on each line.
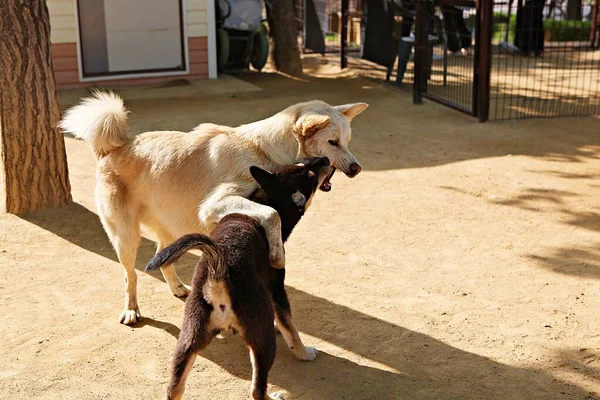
63	35
62	22
63	50
196	69
197	43
60	8
66	77
65	63
196	5
198	56
197	30
196	17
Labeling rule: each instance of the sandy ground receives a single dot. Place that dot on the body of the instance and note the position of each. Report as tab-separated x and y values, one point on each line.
462	263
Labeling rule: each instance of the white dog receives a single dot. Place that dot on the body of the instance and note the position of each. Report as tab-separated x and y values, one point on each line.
168	184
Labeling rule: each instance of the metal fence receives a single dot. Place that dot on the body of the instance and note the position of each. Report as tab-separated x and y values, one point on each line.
506	59
450	52
545	60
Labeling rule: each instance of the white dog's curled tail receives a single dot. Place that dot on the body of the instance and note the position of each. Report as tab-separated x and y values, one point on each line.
101	120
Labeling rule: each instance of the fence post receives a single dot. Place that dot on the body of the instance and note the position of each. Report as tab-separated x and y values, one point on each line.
421	42
483	57
344	33
303	26
594	24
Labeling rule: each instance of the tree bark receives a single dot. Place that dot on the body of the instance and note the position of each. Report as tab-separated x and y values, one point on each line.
574	10
33	162
284	38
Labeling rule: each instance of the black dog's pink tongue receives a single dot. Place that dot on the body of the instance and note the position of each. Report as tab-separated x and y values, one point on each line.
326	185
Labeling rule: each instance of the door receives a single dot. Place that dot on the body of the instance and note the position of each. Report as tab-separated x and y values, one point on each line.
130	37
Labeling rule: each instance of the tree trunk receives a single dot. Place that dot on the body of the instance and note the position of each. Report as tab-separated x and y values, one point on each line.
33	162
574	10
284	38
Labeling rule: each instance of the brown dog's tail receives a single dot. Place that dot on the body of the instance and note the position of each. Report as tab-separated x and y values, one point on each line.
100	120
171	253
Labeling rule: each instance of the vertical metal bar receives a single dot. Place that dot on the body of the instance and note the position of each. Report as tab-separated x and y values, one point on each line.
344	33
483	57
476	63
303	26
420	42
594	24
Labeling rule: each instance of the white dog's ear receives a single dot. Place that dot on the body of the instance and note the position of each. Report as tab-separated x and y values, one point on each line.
352	110
309	124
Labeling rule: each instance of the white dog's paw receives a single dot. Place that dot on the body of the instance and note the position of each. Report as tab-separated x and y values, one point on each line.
277	256
181	290
276	396
130	317
308	354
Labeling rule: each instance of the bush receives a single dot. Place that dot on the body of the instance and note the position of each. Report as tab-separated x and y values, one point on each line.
568	31
500	27
560	31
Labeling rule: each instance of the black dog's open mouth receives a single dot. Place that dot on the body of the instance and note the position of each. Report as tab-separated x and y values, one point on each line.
326	185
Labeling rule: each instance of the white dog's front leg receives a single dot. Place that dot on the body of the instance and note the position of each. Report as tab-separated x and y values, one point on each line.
227	200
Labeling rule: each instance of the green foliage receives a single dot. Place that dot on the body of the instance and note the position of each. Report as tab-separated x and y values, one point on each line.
499	28
568	31
560	31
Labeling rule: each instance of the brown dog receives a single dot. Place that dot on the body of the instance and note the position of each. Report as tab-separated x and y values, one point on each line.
234	287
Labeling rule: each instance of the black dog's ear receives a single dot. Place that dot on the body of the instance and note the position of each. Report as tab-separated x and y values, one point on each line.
264	178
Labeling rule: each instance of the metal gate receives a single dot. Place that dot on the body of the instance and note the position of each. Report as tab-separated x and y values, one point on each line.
450	63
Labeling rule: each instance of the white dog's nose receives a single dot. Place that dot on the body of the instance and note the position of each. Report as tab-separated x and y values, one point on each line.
355	168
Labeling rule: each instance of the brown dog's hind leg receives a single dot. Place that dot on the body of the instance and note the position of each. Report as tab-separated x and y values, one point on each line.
195	335
258	334
262	354
285	323
183	360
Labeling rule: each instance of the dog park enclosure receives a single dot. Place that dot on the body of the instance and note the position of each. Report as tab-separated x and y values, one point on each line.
136	42
500	59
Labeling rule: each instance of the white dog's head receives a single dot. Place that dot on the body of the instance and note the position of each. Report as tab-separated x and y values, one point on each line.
324	131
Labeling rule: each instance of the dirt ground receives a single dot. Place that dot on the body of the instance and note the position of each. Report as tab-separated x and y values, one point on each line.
462	263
